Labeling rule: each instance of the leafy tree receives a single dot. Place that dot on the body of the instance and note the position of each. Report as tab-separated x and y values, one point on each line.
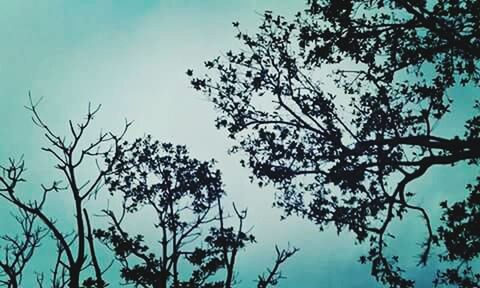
338	109
461	235
76	262
184	195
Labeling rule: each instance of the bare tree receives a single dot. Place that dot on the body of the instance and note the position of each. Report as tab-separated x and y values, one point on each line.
19	249
76	249
274	274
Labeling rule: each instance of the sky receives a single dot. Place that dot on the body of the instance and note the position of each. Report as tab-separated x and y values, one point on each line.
131	57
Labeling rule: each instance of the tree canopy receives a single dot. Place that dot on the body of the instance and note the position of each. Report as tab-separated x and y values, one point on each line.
185	195
338	109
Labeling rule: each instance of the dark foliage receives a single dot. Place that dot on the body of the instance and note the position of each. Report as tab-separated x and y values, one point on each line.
461	237
338	108
184	195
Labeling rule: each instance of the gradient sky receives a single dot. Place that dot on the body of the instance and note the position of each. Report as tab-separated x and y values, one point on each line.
131	57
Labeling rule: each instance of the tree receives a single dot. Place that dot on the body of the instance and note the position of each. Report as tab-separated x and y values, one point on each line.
185	196
274	274
460	235
76	253
19	249
338	109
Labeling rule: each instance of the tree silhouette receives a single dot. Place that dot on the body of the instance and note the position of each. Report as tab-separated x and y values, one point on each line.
197	237
461	235
76	254
185	197
338	109
19	249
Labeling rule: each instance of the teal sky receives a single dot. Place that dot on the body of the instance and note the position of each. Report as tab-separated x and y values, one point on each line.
131	57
